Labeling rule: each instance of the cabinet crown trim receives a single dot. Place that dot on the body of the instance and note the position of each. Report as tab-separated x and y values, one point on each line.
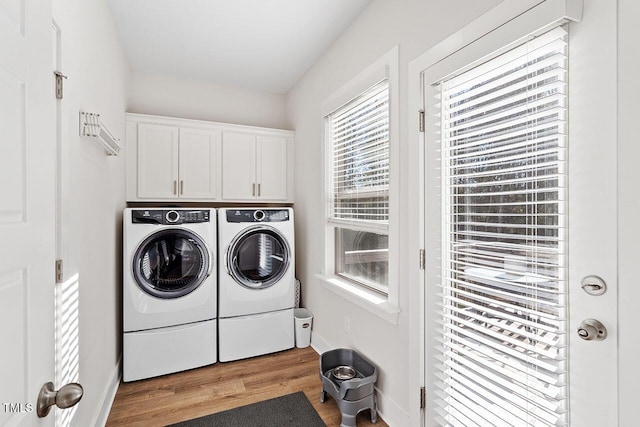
208	125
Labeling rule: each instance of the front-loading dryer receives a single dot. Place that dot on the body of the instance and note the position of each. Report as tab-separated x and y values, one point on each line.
256	281
169	291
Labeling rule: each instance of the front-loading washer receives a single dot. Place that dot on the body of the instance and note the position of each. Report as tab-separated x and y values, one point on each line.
256	281
169	291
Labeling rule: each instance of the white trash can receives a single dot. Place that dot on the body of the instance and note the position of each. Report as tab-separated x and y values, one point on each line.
303	319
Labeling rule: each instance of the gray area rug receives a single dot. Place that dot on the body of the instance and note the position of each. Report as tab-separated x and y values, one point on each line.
292	410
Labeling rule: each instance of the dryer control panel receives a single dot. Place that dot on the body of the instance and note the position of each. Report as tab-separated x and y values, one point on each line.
257	215
169	216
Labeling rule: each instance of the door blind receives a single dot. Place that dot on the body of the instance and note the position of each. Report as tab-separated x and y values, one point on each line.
501	349
359	159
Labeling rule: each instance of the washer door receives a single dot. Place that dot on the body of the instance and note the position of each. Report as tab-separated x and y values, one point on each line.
258	257
171	263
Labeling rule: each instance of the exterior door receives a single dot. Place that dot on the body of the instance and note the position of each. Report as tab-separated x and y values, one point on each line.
592	377
27	209
592	217
505	327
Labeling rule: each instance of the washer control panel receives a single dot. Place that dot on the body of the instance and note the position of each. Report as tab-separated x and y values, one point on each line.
169	216
257	215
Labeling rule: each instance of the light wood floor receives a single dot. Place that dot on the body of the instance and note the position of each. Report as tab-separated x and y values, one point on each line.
191	394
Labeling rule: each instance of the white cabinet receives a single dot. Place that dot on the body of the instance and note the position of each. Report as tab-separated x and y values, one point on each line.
254	167
157	171
177	163
271	168
238	166
170	159
199	163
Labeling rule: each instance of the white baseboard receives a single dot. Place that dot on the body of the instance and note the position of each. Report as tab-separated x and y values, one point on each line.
388	410
107	397
318	343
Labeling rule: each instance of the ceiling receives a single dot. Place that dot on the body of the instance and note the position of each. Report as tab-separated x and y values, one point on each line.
264	45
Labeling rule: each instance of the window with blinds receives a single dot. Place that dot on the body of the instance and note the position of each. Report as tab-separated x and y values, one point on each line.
502	356
358	147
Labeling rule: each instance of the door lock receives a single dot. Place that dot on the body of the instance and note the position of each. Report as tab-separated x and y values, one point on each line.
593	285
592	330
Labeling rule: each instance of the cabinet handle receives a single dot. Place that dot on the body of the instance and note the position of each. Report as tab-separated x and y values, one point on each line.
253	191
181	187
175	187
258	190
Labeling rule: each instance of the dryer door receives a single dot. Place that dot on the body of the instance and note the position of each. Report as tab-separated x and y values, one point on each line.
258	257
171	263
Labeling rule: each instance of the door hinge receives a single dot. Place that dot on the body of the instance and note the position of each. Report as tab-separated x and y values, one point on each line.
421	120
59	88
59	275
423	397
422	256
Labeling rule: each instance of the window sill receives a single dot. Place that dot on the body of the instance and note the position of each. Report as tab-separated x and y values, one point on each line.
371	301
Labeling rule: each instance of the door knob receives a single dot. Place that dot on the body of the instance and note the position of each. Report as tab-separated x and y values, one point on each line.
592	330
66	397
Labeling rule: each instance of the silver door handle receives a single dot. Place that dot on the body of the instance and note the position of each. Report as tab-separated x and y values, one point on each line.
592	330
175	187
253	192
258	190
181	187
66	397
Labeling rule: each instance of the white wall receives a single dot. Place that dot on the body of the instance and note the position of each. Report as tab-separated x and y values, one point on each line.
93	190
193	99
628	208
414	25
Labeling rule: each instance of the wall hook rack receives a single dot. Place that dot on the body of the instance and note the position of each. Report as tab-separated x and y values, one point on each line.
91	126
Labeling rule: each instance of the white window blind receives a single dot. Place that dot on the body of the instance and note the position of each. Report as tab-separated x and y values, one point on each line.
501	353
359	159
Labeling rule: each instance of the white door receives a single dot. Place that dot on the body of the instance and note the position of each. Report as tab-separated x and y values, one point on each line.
504	303
238	166
199	164
592	216
27	170
157	161
271	160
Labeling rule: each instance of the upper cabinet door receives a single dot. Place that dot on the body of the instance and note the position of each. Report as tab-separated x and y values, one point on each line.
199	164
179	160
157	161
238	166
271	168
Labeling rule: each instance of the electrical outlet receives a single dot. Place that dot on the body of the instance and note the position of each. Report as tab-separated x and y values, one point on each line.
347	324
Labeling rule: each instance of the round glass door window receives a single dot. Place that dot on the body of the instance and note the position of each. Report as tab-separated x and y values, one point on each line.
258	257
171	263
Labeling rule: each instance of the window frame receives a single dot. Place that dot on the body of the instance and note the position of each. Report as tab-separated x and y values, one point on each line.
386	306
335	218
